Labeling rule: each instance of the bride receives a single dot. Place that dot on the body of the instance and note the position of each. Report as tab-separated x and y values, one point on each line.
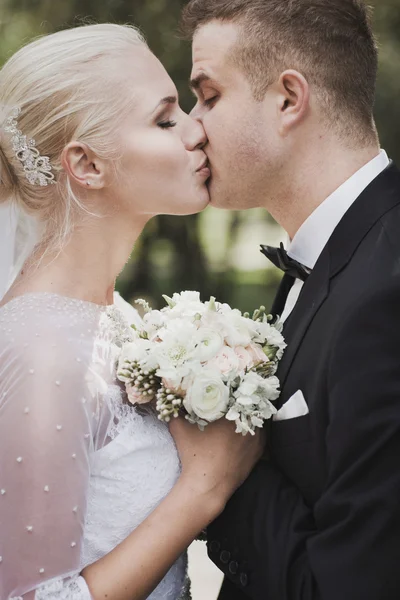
94	501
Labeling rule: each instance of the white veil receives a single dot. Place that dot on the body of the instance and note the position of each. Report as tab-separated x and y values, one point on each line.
19	233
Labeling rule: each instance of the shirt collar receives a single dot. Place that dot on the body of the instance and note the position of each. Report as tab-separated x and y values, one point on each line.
315	232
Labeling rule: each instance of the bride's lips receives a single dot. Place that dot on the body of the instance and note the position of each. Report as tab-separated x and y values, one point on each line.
204	170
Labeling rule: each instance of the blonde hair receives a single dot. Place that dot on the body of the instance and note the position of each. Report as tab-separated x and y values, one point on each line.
65	86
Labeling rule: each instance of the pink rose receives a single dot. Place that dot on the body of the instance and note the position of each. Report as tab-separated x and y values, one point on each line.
168	384
225	361
256	353
134	395
245	359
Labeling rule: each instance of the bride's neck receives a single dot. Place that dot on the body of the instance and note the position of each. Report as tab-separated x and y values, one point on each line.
87	266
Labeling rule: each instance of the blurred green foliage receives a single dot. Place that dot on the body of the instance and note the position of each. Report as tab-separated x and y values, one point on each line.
215	252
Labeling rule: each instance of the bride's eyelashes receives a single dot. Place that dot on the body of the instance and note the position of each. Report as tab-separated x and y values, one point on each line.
167	124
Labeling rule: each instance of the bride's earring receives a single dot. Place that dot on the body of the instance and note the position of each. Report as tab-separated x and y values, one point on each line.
88	183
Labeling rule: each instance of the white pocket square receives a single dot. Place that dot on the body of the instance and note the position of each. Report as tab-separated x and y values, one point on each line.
296	406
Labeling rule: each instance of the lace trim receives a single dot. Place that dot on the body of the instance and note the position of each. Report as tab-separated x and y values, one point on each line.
60	589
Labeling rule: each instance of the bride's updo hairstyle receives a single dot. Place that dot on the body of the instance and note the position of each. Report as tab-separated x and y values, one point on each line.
64	87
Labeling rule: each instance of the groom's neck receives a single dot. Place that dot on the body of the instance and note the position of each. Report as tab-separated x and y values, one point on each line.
311	177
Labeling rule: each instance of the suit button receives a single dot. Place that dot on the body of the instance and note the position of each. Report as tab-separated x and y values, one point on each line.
233	567
225	556
215	546
244	580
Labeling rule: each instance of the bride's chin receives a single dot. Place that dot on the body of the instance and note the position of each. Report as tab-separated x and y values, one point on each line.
201	203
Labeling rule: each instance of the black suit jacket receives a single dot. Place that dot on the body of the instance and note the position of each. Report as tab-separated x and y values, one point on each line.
321	519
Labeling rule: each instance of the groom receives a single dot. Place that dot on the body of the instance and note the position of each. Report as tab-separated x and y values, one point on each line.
285	92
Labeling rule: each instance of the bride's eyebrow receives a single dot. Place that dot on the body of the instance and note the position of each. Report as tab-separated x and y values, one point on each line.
165	101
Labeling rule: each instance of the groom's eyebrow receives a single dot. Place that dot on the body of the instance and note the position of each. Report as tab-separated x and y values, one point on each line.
195	83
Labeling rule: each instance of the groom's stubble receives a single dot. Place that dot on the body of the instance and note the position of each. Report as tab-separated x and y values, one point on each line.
265	146
240	149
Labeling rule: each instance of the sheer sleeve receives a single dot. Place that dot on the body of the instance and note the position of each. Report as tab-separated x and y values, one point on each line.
47	409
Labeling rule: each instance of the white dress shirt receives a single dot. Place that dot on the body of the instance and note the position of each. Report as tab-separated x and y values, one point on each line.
313	235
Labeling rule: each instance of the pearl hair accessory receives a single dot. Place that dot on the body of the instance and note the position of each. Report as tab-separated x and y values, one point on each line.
38	170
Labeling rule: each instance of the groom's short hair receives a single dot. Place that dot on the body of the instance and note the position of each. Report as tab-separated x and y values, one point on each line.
329	41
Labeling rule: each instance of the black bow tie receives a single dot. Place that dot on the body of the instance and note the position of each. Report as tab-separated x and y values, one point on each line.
279	257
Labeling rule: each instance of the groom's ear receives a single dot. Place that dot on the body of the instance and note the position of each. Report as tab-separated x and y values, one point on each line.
293	99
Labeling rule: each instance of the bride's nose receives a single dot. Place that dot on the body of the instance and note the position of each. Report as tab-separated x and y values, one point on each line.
194	136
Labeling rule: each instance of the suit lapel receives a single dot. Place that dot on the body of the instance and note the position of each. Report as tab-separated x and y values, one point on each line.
377	199
314	292
285	286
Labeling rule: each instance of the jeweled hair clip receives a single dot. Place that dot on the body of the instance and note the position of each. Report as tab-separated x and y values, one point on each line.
38	170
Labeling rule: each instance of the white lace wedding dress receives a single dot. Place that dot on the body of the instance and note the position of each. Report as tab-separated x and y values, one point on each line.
79	468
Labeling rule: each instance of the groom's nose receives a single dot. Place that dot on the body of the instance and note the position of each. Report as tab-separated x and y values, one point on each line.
195	113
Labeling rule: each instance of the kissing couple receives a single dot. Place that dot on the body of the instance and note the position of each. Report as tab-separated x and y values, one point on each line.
101	501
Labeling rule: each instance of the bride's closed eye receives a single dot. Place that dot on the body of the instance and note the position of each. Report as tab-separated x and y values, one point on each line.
167	124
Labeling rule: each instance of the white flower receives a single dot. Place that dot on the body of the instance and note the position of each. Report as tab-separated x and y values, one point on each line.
233	414
174	377
248	417
137	351
255	388
265	410
238	330
267	334
175	353
207	396
208	343
153	321
180	330
187	298
133	351
232	326
185	304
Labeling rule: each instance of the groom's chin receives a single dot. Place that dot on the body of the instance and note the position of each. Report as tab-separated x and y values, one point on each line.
218	199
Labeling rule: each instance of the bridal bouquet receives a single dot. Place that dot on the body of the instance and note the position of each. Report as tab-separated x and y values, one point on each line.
204	360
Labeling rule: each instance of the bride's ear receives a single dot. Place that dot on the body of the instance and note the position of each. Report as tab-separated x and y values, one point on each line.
83	166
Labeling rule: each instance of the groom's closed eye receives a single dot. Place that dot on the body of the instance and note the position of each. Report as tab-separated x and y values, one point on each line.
202	90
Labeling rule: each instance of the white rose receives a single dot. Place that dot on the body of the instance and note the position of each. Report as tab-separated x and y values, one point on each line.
238	330
208	343
207	396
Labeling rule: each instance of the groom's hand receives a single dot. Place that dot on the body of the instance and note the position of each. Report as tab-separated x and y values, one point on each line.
216	461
